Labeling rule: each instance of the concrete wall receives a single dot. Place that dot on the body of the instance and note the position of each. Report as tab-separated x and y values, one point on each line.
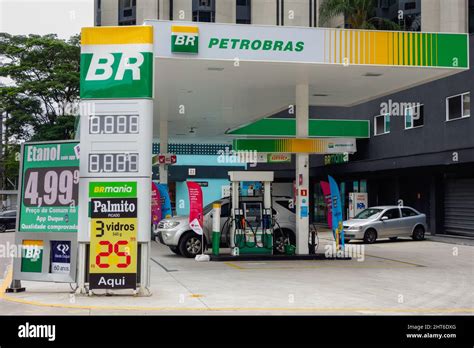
182	10
109	12
146	9
225	11
296	13
448	16
264	12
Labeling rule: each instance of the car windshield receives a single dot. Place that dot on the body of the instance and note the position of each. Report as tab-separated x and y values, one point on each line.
368	213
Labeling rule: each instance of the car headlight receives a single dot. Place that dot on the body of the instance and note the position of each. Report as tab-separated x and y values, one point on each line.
356	228
168	225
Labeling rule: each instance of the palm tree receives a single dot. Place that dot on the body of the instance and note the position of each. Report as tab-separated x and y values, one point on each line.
358	14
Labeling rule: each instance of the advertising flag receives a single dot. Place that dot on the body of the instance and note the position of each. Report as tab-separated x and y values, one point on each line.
327	198
165	201
155	204
195	206
336	207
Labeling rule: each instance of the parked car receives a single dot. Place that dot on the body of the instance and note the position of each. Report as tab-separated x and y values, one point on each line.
385	222
178	236
7	220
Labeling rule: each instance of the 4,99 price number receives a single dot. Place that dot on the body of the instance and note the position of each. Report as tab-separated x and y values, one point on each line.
51	187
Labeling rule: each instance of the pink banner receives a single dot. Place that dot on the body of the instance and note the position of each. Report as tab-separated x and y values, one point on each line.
155	204
327	198
195	206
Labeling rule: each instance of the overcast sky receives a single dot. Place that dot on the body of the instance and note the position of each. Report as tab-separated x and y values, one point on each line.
62	17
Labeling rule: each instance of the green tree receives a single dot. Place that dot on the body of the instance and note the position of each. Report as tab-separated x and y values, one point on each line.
39	78
358	14
45	85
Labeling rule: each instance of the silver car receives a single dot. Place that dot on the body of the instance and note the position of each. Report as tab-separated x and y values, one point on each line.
385	222
178	236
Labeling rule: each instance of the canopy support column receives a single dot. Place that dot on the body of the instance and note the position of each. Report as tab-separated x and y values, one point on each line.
163	144
302	171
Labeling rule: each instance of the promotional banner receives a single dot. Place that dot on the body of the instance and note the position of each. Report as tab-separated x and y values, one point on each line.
113	247
195	207
165	201
336	207
155	205
49	190
327	198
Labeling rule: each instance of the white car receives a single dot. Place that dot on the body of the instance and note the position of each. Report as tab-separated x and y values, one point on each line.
385	222
178	236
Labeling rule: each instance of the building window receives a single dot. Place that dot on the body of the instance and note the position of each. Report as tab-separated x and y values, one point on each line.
414	117
98	13
243	14
127	12
406	14
204	10
458	106
382	124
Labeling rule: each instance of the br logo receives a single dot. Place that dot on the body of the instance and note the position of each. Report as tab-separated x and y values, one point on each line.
184	39
103	66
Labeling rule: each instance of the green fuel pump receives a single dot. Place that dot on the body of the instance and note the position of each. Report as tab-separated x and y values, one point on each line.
251	230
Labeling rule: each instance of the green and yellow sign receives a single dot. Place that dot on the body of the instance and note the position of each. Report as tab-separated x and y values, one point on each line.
297	145
117	62
32	256
101	189
184	39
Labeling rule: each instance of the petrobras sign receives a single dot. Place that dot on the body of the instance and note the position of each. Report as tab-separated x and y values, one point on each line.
219	41
116	62
184	39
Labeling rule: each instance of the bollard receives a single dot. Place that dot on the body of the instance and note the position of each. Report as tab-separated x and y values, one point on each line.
216	228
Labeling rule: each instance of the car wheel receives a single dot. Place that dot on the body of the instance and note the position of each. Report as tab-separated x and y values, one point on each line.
190	245
3	228
282	238
418	233
175	249
370	236
393	238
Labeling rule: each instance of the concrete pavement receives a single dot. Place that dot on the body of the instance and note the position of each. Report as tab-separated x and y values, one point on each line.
402	277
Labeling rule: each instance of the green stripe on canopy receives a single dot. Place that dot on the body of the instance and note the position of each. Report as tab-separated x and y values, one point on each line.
286	127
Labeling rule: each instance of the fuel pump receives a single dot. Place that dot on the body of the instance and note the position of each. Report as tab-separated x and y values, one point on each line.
251	230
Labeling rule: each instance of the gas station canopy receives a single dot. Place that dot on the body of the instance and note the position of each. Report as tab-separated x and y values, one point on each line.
216	77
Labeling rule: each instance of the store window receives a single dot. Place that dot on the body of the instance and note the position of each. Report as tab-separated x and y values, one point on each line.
204	11
458	106
243	14
414	117
382	124
127	12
